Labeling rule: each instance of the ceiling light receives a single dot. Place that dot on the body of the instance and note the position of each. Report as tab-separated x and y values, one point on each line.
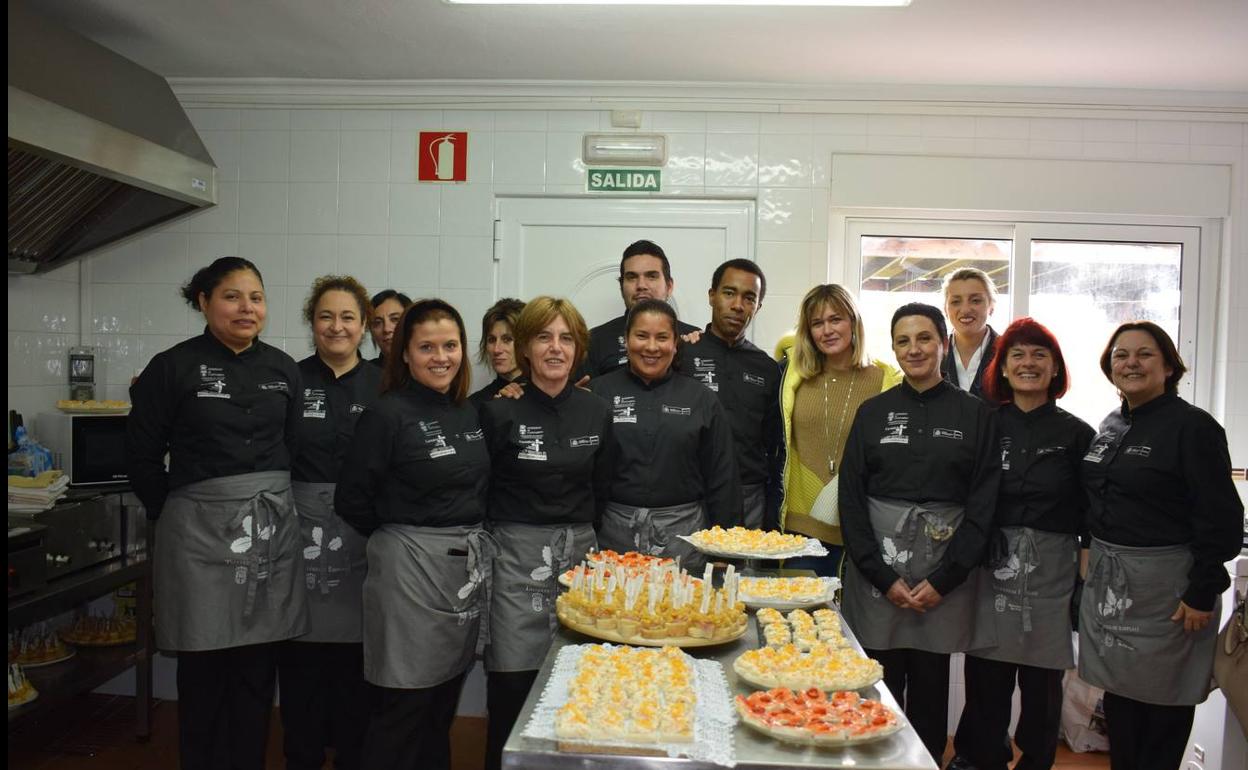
625	149
760	3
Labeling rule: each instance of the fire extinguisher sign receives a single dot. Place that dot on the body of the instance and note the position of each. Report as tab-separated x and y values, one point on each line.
442	156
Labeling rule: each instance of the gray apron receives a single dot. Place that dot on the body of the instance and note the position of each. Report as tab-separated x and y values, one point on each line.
423	599
754	505
1127	642
653	531
531	557
912	538
334	566
1026	596
226	569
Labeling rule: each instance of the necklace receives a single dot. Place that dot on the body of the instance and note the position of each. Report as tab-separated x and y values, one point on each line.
840	428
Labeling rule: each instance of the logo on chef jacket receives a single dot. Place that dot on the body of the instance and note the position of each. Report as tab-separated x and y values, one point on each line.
1138	450
753	379
356	409
895	428
951	433
704	372
474	435
1097	453
211	382
624	409
532	443
583	441
314	403
1050	450
623	351
435	439
1006	442
679	411
277	386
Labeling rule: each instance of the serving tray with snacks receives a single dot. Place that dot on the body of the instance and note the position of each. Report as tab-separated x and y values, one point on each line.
630	562
607	699
787	593
37	646
656	606
823	666
813	718
21	691
100	631
742	543
73	406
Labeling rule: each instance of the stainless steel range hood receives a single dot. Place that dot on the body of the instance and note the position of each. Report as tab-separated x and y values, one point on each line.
99	147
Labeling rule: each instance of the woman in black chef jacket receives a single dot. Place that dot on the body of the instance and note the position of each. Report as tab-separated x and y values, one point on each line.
324	697
918	488
1033	558
1164	517
673	470
498	347
547	455
388	307
415	482
970	297
225	407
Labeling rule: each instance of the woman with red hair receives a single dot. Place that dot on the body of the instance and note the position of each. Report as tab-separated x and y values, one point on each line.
1033	557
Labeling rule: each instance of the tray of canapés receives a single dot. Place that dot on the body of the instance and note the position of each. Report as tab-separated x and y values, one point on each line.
812	717
804	651
34	647
653	607
787	593
630	562
21	691
101	631
91	406
742	543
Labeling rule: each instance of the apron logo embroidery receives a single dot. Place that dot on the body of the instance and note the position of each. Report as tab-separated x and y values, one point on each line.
895	430
1114	605
583	441
1013	568
704	372
240	575
243	544
1138	450
313	552
276	385
892	556
623	409
1006	443
537	602
999	603
546	569
956	435
679	411
754	379
309	580
314	403
211	382
531	439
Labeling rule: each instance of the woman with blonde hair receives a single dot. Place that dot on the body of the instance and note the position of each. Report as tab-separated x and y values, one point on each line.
827	375
970	297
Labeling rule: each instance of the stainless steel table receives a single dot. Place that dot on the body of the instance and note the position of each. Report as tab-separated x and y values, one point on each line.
903	751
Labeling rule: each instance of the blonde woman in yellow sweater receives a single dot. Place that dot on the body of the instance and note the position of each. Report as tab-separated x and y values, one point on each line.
827	375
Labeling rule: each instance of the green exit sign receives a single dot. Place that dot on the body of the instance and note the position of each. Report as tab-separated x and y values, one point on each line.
623	179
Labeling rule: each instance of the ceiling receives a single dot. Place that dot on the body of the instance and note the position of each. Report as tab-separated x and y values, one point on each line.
1131	44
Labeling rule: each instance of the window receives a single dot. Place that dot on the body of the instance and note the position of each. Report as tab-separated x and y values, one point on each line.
1081	282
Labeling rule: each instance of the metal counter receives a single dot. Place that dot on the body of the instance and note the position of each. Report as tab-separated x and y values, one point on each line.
902	751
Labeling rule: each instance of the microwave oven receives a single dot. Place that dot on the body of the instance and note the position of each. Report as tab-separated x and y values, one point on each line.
90	448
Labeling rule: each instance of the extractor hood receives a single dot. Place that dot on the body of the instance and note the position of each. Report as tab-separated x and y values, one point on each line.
99	147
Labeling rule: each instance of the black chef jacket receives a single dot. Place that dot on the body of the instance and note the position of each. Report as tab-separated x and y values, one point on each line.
416	458
548	456
216	412
607	351
486	394
949	366
1161	475
1041	452
670	444
747	381
330	408
379	361
938	445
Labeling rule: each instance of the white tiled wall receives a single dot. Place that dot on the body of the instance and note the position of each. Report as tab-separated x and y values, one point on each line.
308	191
43	324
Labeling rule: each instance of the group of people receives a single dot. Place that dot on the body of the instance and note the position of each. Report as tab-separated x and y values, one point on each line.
364	530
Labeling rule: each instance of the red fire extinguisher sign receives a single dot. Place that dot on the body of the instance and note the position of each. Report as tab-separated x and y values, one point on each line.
442	156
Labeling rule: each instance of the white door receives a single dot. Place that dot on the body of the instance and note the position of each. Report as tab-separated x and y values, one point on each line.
571	247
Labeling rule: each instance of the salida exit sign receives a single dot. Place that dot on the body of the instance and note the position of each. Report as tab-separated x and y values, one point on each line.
623	180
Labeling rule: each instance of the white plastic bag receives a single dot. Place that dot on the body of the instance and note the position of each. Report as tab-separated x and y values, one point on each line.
1083	715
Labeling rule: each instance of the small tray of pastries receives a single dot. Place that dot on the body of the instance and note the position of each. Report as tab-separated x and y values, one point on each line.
787	593
801	652
742	543
811	717
101	631
74	406
653	607
37	646
631	562
801	629
21	691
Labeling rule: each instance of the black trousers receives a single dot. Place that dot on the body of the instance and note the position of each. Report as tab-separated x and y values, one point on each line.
225	698
324	703
983	736
919	681
411	729
505	693
1143	736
